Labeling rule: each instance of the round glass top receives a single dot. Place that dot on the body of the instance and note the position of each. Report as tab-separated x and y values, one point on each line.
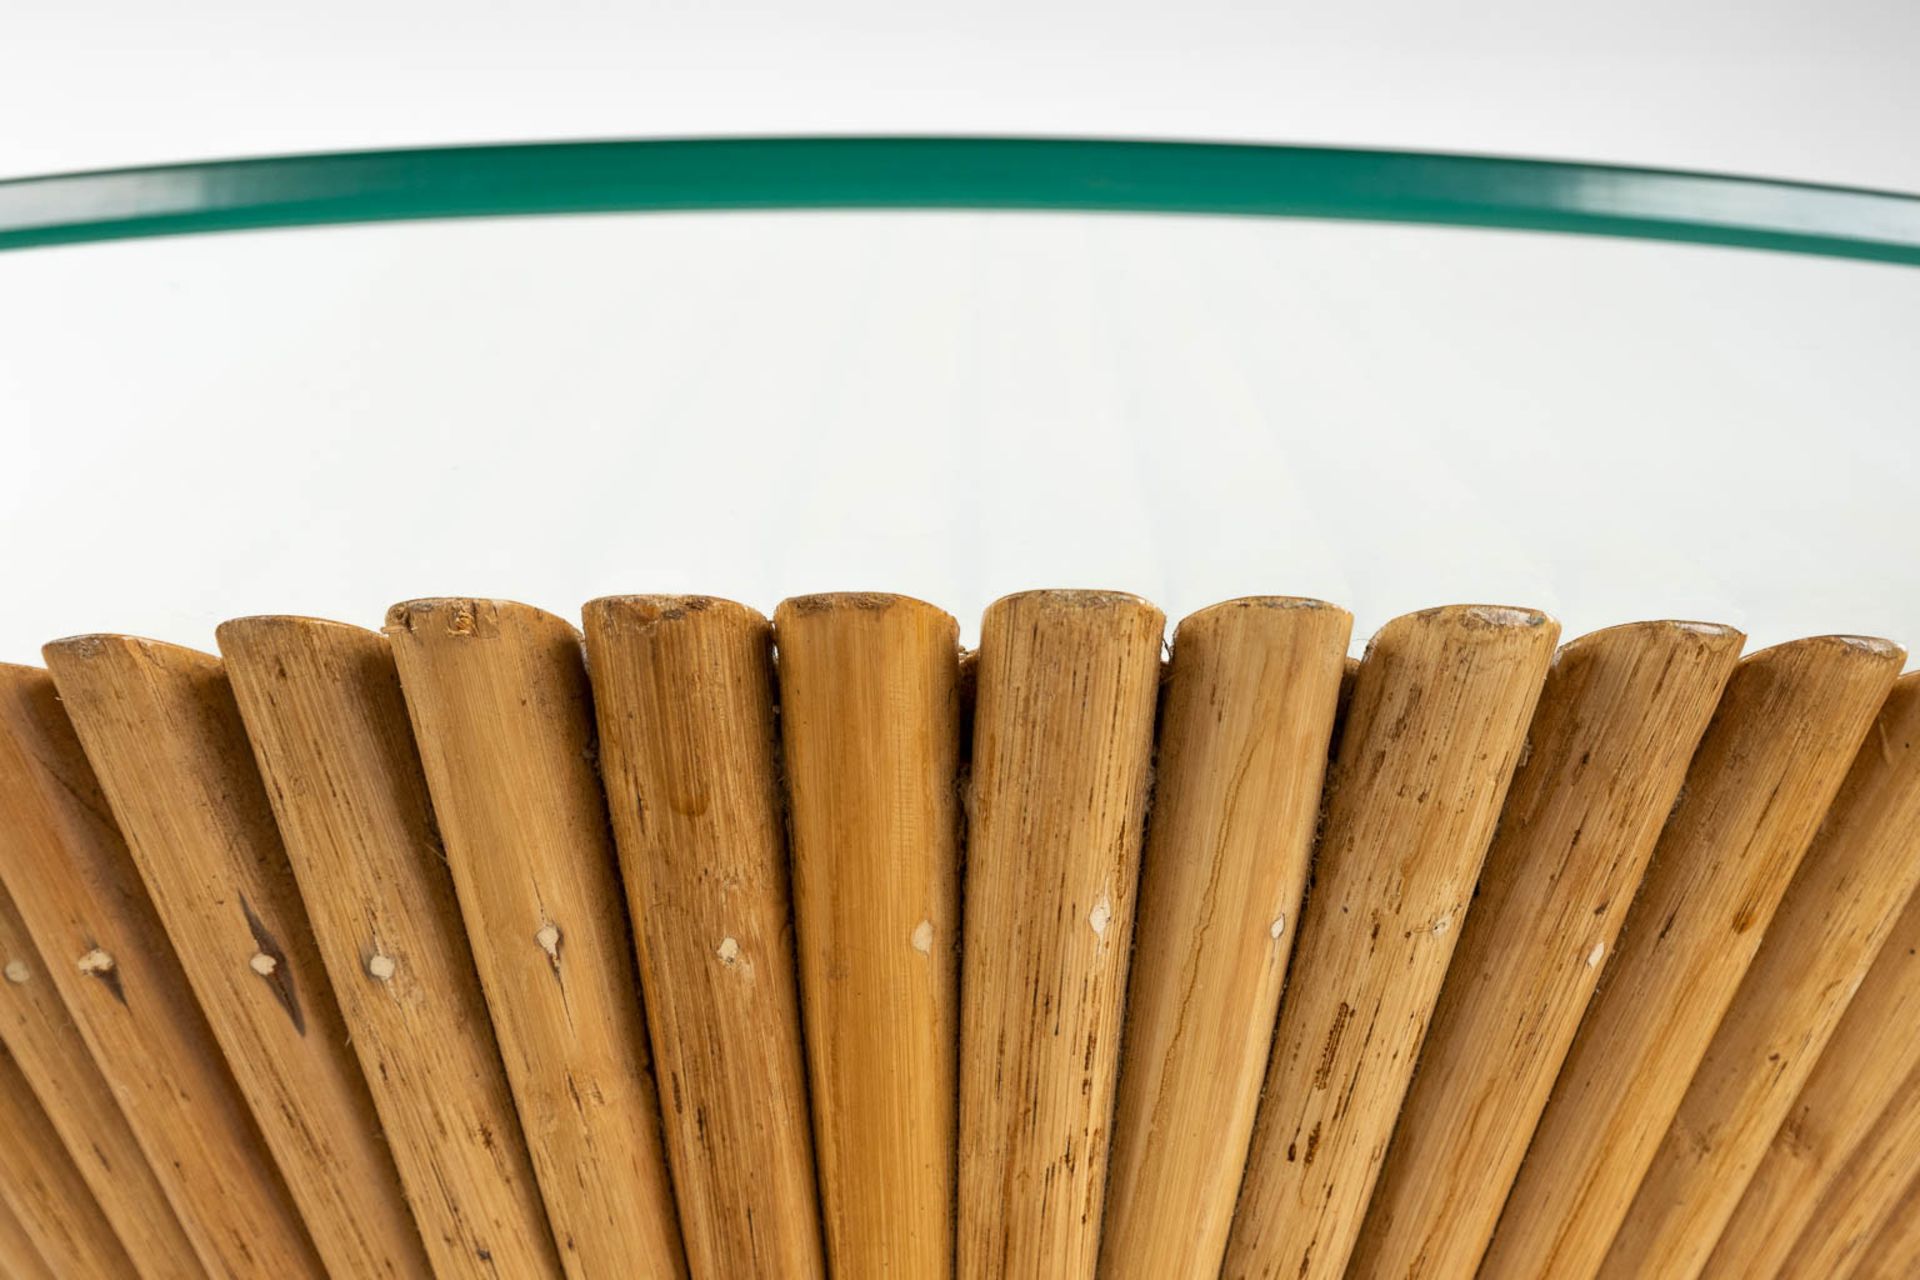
961	403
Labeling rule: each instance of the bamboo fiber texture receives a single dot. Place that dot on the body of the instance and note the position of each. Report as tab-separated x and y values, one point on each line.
870	718
1863	1196
1779	746
498	696
1870	1056
19	1258
1245	721
82	899
1437	722
1860	871
1894	1251
1062	743
1618	720
79	1103
159	724
684	686
45	1192
323	707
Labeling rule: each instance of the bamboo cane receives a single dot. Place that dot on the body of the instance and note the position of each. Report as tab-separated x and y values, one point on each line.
19	1259
684	686
1859	872
1619	717
159	724
1437	722
1872	1053
1062	743
499	702
1246	718
76	886
1862	1198
45	1192
870	718
1779	746
323	707
1894	1253
79	1103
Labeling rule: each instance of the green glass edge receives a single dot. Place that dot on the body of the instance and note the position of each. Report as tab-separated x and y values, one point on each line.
959	173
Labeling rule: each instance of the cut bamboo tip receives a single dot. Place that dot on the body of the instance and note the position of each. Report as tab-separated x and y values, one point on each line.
95	644
644	612
1073	598
842	601
788	612
1715	632
1260	602
476	616
1873	650
1466	617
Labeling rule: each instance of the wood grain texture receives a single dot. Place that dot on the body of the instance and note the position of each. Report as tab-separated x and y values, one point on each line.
323	708
75	884
43	1188
159	724
870	718
684	686
53	1057
1779	746
1437	721
1245	721
1619	718
1859	872
1894	1251
1871	1055
1062	744
19	1259
501	711
1863	1195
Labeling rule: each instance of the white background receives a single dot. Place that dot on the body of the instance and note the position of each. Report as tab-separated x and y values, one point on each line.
958	406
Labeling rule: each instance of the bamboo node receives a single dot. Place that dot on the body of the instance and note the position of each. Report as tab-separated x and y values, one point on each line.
17	971
95	961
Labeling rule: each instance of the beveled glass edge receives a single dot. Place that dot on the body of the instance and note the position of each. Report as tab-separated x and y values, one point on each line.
1087	175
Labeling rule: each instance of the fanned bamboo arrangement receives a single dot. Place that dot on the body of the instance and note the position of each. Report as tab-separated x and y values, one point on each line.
699	945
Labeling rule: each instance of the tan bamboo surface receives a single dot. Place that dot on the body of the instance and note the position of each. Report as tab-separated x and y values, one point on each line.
323	707
1436	725
684	687
1779	746
870	718
1244	725
51	1054
19	1259
1859	872
83	901
45	1191
159	724
1894	1251
1862	1197
1619	718
498	696
1062	747
1872	1053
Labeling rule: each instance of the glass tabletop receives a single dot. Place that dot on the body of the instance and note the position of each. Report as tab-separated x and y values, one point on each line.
957	404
